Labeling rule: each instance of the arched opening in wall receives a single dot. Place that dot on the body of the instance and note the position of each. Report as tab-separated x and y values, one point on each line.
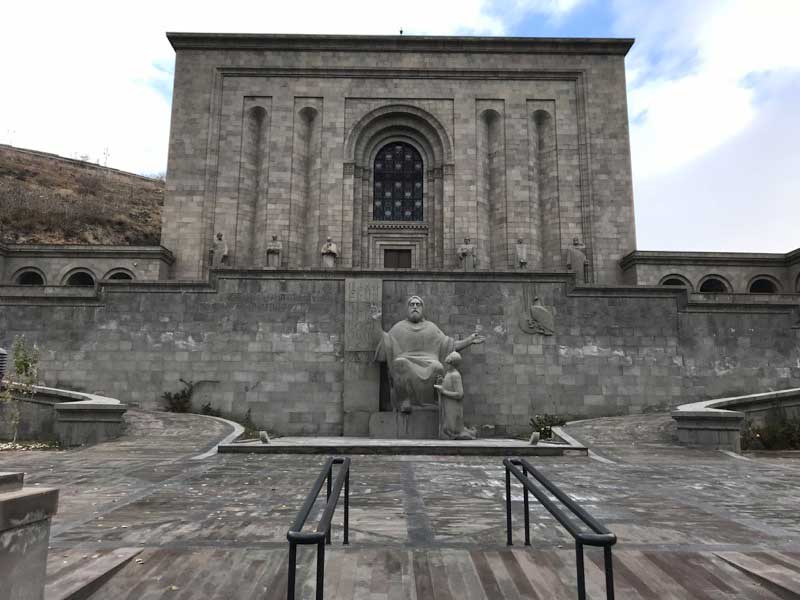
251	222
119	275
80	278
492	237
544	183
763	285
797	285
29	276
713	285
676	280
305	231
397	186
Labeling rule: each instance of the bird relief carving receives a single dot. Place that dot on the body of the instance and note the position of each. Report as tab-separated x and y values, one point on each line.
535	318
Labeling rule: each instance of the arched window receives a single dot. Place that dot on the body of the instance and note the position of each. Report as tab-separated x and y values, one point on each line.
397	192
121	276
676	280
80	278
712	285
29	278
762	285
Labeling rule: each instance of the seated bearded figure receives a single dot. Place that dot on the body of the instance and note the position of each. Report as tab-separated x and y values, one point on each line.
414	350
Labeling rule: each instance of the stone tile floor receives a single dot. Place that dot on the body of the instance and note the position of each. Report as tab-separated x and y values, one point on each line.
690	523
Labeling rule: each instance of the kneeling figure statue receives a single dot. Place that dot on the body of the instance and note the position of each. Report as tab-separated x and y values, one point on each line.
451	402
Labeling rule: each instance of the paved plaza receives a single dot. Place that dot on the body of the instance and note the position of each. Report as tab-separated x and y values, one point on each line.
143	518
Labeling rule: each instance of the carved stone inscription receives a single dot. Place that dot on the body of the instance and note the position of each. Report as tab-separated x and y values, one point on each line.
361	299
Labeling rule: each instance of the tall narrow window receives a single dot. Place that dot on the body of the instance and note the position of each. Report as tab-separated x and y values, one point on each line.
397	192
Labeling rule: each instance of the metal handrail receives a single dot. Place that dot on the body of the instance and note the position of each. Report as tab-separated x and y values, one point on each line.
322	535
599	536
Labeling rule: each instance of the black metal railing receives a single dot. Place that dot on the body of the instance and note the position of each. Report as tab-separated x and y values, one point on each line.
322	535
599	535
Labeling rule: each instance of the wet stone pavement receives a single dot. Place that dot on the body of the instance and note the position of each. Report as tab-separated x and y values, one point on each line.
690	523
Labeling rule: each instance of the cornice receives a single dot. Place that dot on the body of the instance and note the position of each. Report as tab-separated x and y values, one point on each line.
394	73
398	43
88	251
733	259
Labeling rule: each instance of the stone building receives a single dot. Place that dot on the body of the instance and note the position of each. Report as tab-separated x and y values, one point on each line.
314	181
399	148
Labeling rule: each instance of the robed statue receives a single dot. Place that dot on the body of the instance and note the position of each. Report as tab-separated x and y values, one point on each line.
414	350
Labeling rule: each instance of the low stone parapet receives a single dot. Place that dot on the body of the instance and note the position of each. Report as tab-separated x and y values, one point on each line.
69	418
717	424
25	515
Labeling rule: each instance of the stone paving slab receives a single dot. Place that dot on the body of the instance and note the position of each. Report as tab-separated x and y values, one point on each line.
216	528
360	445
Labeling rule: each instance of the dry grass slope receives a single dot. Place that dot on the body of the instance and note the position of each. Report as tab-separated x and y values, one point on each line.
48	199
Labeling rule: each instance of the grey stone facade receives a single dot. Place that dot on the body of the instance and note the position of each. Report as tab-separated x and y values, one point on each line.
519	139
277	343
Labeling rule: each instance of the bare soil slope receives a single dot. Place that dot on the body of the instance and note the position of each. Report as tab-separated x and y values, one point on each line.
48	199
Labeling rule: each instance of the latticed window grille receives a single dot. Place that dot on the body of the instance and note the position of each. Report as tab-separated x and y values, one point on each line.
397	193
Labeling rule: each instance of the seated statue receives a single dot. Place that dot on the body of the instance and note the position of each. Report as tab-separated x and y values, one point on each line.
414	350
451	402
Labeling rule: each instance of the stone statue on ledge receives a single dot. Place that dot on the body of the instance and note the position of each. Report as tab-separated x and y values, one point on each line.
218	255
274	249
451	402
329	253
522	254
576	260
414	350
466	255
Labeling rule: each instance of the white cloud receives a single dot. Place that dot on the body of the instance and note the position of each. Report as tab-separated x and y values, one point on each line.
84	76
688	73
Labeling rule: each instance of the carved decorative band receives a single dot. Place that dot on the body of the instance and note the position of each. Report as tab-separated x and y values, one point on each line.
437	172
348	168
449	169
399	226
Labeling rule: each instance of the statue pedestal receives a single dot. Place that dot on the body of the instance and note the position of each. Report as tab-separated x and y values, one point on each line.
420	424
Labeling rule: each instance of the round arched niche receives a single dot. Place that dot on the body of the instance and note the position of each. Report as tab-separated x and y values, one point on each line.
714	284
119	274
763	284
29	276
80	278
675	280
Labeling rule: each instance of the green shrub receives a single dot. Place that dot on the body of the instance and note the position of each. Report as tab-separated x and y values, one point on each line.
19	381
544	424
180	401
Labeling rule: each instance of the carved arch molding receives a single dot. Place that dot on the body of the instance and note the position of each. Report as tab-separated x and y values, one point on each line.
404	125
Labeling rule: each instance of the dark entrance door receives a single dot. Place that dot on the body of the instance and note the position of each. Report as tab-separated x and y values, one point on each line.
397	259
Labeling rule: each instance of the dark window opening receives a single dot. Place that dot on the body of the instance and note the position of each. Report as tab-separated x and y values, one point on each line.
397	184
397	259
80	278
763	286
674	281
712	286
30	278
121	275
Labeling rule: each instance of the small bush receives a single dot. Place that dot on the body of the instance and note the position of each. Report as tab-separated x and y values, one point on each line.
19	381
774	435
544	424
180	401
209	410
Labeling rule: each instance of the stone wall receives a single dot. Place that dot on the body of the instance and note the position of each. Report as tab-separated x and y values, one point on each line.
275	343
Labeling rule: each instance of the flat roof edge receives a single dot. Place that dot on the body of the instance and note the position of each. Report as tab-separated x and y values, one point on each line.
397	43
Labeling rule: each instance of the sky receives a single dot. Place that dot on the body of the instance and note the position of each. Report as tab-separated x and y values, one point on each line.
713	90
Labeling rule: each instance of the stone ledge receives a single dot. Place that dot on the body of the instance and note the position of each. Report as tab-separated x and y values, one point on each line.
715	424
25	506
10	482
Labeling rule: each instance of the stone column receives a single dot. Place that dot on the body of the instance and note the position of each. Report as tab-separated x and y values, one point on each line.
24	536
361	395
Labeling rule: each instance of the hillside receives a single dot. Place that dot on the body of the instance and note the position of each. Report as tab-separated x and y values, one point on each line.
48	199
